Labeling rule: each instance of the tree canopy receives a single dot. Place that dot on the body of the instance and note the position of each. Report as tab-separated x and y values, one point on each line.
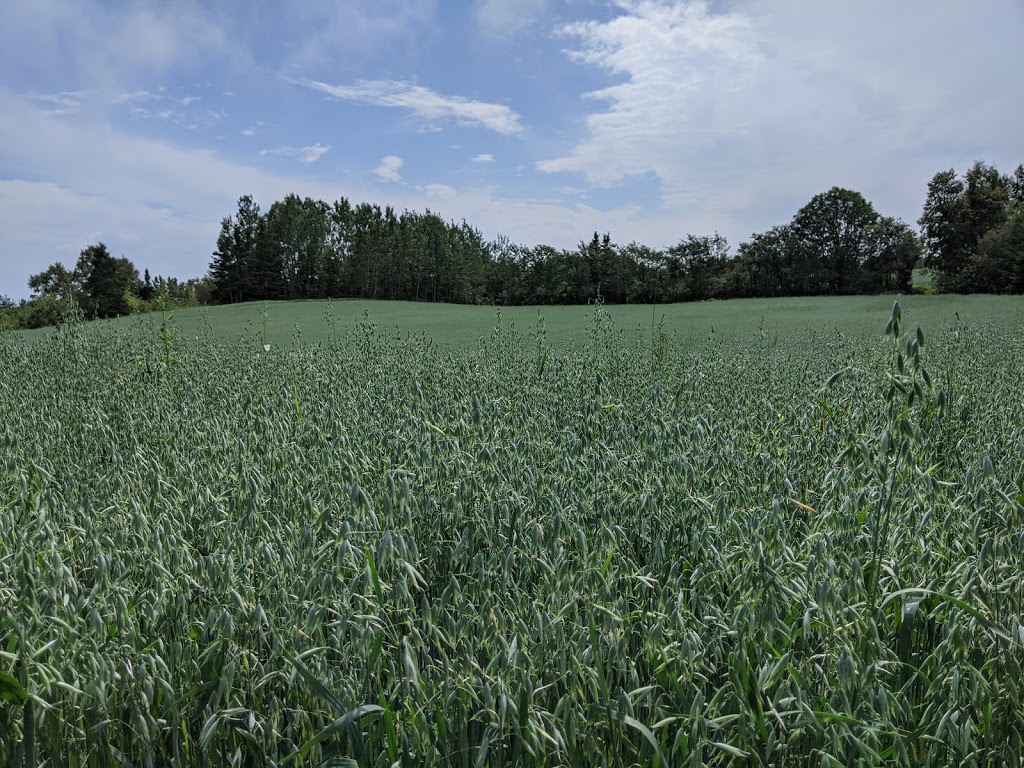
304	248
969	225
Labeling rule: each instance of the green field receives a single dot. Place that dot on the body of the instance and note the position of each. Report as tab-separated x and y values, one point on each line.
736	533
463	326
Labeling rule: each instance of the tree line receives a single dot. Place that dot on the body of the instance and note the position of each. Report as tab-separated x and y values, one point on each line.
307	249
99	286
971	237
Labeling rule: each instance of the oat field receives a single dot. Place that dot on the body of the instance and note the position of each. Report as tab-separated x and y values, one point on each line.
627	545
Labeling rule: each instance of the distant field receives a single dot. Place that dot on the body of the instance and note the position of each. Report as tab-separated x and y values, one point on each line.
765	534
923	277
458	325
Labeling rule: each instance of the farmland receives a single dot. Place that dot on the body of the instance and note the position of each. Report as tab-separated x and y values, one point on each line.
735	533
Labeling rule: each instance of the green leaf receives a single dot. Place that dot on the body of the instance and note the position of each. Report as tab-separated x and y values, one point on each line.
647	734
314	682
346	722
11	690
729	749
982	619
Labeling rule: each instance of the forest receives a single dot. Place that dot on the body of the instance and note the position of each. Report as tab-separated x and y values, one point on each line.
970	238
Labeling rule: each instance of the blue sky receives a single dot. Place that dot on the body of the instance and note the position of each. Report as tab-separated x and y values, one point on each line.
140	124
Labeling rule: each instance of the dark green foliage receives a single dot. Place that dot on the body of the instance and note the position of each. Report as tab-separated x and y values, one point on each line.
999	263
146	290
105	282
695	268
55	281
55	292
301	248
837	244
9	319
235	258
959	217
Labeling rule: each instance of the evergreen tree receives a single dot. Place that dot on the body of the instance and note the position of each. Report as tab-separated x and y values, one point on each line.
146	291
958	214
233	269
106	282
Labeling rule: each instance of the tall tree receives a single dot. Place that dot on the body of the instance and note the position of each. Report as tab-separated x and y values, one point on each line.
146	292
365	239
890	265
106	282
766	264
56	281
234	259
338	249
942	225
834	238
999	264
958	214
694	267
296	233
1017	189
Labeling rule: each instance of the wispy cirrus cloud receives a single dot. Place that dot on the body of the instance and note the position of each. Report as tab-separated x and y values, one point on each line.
423	102
484	157
63	103
307	155
137	96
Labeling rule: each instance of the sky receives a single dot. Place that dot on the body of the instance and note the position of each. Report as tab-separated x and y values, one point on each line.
140	124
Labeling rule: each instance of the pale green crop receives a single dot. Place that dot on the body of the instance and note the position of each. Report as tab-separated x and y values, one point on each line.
678	550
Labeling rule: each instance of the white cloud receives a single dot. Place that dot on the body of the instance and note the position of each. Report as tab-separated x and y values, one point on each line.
738	115
251	130
169	109
438	191
313	153
423	102
307	155
678	61
389	168
483	158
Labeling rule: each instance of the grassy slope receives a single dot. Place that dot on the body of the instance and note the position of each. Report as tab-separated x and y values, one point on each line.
460	324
